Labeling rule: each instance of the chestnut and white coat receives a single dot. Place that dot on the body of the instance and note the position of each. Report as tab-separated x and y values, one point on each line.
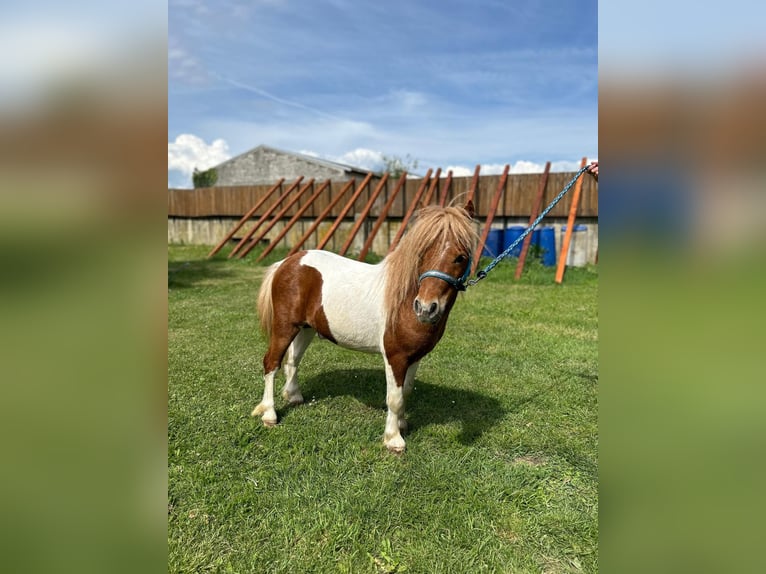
384	308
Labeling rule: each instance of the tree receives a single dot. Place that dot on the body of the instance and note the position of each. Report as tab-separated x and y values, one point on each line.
205	178
396	165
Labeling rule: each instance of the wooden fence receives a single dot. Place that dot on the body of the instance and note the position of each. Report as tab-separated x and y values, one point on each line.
517	199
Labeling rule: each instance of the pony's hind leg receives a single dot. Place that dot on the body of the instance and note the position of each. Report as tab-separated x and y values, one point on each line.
265	409
291	392
280	341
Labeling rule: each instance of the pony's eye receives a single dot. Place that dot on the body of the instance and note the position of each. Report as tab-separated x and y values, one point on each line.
460	259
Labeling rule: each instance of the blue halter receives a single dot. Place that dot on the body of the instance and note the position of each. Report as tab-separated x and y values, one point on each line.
458	284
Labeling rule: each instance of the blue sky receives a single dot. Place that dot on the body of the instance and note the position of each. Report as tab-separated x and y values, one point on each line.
451	84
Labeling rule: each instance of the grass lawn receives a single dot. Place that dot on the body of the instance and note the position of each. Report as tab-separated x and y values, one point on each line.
500	472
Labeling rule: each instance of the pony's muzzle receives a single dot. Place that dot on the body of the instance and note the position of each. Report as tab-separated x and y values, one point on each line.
427	312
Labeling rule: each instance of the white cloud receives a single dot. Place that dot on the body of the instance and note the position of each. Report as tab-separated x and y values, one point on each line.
373	160
189	152
520	166
485	169
523	166
459	170
360	157
364	158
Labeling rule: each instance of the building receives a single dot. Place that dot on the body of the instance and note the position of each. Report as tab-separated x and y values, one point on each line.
264	165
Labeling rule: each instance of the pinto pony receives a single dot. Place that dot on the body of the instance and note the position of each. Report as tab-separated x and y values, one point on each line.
398	307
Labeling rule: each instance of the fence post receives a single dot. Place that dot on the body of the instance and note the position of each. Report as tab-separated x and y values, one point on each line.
382	217
410	211
344	211
445	189
254	241
432	188
245	217
363	215
570	224
263	217
474	184
490	217
321	217
532	216
292	221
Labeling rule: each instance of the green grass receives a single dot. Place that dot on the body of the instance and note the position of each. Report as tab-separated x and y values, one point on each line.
500	472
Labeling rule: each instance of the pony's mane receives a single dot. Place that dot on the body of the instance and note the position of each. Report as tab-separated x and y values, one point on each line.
433	224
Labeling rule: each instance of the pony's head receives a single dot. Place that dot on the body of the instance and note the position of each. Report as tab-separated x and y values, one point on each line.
434	259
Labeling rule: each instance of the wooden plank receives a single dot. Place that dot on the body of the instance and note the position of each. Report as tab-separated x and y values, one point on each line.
410	211
245	217
445	189
382	217
532	216
490	217
274	242
459	188
570	224
363	215
277	216
432	188
344	211
511	193
349	184
474	184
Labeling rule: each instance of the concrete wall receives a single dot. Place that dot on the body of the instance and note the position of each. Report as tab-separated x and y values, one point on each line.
264	166
209	231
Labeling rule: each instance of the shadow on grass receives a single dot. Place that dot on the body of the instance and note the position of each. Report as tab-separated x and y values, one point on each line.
429	403
184	274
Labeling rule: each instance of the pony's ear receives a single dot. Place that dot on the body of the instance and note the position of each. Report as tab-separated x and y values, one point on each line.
469	208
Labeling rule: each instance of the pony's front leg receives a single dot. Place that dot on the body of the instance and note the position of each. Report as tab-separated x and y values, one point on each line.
396	378
409	382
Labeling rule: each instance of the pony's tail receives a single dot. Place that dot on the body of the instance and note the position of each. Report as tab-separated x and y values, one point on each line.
265	307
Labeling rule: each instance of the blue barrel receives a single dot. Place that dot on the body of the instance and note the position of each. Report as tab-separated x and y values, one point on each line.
535	242
494	245
511	235
548	245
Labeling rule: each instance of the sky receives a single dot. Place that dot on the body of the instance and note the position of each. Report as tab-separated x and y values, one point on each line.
450	84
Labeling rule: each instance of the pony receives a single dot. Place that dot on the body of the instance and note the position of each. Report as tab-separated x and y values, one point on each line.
398	307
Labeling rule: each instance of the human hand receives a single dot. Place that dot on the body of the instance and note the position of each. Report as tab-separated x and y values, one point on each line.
593	169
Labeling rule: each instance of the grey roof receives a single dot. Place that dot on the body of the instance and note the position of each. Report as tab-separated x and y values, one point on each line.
310	158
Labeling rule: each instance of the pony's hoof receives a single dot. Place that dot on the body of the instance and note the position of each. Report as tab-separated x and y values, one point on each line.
395	445
269	417
293	400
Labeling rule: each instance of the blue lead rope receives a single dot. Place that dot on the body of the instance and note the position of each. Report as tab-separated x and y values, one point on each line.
483	273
